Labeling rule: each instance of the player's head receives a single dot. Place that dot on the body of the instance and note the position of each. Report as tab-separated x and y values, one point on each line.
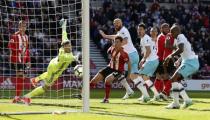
118	42
141	29
175	31
117	24
154	32
165	29
22	26
66	46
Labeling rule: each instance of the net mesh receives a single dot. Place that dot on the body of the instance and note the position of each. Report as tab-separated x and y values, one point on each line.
44	35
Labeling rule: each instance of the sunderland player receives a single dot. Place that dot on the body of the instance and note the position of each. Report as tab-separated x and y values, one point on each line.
19	57
115	69
162	82
129	48
189	65
55	68
147	65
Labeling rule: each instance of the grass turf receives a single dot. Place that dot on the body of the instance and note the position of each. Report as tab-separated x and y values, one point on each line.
117	109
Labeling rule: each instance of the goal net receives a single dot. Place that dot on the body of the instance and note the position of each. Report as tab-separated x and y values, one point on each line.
44	40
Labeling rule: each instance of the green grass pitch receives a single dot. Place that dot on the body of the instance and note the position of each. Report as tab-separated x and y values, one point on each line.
117	109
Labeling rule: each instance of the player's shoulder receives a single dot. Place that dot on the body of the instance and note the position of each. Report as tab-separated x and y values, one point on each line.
16	33
160	37
123	30
181	37
123	53
146	38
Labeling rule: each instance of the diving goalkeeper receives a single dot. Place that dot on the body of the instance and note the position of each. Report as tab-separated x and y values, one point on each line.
55	68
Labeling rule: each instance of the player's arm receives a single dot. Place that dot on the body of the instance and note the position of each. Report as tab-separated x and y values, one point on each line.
178	51
110	37
146	55
168	44
125	41
178	62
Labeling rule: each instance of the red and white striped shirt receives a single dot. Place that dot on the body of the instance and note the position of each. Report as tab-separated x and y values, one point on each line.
118	59
18	45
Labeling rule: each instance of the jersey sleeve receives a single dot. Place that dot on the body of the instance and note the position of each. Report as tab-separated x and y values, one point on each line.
180	39
147	41
123	33
11	44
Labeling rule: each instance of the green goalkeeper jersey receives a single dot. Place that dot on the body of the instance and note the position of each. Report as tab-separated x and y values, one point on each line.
62	61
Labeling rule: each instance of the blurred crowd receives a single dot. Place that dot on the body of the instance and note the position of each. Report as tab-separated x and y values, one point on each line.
43	29
193	17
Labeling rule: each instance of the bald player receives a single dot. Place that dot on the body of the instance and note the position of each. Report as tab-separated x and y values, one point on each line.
189	65
129	48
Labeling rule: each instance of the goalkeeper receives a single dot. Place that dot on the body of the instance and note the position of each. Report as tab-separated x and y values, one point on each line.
55	68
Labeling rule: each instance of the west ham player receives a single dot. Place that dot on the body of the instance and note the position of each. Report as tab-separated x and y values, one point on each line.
55	68
162	82
115	69
189	65
129	48
154	33
148	65
19	57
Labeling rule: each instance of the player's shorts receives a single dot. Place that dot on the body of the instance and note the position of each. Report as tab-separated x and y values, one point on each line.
188	67
18	66
108	71
134	59
160	69
149	67
170	68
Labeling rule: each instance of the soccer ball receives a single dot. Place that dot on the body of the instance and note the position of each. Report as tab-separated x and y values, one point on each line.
78	70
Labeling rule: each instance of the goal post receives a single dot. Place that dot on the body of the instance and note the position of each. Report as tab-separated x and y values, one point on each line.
85	46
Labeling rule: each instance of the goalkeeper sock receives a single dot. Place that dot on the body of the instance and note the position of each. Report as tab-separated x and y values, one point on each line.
19	85
35	92
107	90
152	87
126	86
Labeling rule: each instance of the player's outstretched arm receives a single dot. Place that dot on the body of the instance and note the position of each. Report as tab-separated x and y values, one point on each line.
110	37
63	23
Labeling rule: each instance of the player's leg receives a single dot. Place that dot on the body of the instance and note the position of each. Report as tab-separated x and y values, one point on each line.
36	80
48	79
147	71
19	68
134	59
108	81
186	69
168	70
167	86
141	85
100	76
175	89
158	83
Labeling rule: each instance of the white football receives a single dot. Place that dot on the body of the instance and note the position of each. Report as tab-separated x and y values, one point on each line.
78	70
